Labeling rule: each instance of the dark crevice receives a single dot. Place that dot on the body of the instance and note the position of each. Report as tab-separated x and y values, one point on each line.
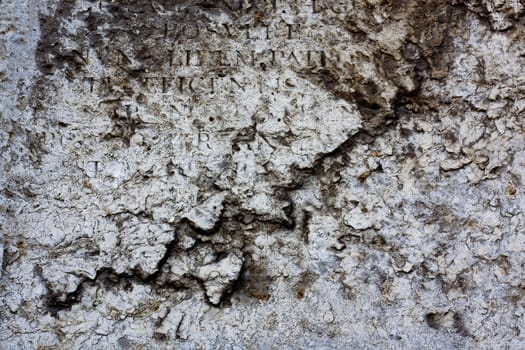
306	217
56	302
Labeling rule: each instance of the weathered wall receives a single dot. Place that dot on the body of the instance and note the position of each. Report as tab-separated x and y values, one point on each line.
262	174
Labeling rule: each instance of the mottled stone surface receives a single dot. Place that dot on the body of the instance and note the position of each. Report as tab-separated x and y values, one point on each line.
232	174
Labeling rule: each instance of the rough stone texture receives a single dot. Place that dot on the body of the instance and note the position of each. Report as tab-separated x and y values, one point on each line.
262	174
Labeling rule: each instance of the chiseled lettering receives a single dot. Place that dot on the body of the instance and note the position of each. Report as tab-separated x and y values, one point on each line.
293	57
239	85
240	57
316	8
221	58
164	85
194	58
291	29
228	30
190	31
315	58
91	83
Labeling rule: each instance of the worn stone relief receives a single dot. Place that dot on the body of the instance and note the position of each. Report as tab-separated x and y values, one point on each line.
272	174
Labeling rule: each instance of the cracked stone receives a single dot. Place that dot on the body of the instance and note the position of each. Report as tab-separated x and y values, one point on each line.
262	174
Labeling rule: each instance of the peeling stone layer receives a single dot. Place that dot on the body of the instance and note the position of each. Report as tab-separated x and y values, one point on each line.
262	174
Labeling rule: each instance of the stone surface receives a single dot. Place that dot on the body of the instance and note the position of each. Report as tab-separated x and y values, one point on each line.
262	174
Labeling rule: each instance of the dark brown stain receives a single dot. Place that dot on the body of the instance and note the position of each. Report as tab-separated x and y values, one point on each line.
424	55
439	321
306	280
